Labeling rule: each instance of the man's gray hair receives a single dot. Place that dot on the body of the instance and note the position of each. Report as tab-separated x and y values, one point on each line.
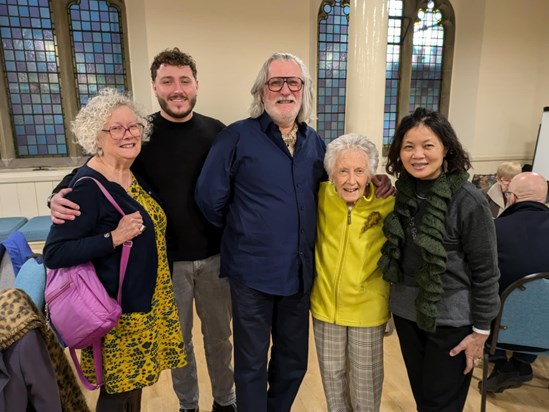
306	111
351	141
92	117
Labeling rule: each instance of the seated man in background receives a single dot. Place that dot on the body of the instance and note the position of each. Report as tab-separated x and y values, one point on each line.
495	193
522	233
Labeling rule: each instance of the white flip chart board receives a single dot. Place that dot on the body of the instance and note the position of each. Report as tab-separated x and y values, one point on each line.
541	154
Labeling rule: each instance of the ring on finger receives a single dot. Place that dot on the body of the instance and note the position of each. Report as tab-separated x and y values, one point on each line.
142	228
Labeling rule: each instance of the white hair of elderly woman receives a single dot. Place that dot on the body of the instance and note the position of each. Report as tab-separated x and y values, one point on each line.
351	141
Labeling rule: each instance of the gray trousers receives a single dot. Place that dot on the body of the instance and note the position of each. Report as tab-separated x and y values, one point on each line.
351	365
198	282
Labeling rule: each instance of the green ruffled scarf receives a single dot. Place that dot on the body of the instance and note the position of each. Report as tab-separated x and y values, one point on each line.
429	239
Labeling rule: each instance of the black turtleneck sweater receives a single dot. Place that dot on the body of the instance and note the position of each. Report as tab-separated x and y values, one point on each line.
170	163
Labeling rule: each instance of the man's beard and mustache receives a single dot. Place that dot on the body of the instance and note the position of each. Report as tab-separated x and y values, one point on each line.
177	115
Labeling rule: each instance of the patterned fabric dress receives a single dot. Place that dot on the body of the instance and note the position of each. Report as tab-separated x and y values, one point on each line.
143	344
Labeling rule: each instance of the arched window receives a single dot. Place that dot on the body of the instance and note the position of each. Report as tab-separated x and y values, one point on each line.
54	55
333	37
420	46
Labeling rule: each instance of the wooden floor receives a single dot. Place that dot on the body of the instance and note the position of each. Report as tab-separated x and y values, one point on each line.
531	397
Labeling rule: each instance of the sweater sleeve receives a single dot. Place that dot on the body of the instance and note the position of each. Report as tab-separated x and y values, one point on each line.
480	249
77	241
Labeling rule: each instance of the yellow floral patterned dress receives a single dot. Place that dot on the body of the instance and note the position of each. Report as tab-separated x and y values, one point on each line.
143	344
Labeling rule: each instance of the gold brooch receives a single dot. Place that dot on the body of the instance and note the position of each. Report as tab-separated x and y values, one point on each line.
371	220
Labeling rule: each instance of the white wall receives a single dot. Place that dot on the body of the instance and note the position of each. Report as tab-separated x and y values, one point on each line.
229	41
499	85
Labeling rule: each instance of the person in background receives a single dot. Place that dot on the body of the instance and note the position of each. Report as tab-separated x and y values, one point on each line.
35	374
147	338
171	162
495	193
522	231
259	184
349	298
441	260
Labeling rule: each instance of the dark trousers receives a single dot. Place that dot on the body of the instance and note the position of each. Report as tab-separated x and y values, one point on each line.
257	318
119	402
436	378
501	354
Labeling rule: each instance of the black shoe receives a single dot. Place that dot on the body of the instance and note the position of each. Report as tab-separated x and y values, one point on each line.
226	408
188	410
506	377
525	370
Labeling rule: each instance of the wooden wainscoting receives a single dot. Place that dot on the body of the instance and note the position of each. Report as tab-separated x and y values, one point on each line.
531	397
24	192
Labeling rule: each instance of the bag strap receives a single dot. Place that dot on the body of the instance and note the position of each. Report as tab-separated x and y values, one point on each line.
98	363
126	247
97	346
105	192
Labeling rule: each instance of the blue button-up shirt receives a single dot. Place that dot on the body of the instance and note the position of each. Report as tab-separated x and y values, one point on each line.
265	201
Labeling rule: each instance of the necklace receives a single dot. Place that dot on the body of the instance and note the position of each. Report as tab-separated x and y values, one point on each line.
421	197
290	138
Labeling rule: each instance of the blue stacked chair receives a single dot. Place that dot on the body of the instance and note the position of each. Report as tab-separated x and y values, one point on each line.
37	228
9	225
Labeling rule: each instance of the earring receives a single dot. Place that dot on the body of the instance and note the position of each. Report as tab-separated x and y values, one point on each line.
100	152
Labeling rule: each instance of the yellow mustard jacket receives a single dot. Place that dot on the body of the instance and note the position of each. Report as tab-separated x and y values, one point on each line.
348	289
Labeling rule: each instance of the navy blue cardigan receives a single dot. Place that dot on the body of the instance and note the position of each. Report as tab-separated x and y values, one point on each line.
87	238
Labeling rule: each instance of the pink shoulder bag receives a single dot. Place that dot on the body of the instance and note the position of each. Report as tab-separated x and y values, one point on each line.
79	307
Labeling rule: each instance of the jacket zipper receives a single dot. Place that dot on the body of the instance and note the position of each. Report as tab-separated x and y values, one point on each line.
341	262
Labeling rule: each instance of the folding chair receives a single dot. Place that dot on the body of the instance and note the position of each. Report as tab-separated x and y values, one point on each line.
522	324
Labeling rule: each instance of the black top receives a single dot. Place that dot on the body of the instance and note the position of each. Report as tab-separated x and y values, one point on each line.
522	232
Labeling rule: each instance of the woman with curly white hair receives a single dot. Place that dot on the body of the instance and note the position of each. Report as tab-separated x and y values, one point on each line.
148	337
350	299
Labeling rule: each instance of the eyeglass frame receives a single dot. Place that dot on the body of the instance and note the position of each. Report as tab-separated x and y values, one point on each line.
285	80
126	129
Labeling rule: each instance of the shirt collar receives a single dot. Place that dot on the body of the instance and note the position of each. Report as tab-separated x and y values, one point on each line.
267	124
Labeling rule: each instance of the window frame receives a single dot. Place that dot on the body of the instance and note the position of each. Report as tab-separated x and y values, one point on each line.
60	19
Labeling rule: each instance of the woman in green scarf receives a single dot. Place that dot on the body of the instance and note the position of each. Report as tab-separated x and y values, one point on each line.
441	260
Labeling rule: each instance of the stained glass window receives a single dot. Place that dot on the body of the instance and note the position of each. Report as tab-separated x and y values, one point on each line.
31	70
333	29
34	65
97	47
427	59
416	47
392	72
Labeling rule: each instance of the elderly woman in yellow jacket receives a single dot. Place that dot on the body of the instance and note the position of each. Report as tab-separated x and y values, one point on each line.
349	300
